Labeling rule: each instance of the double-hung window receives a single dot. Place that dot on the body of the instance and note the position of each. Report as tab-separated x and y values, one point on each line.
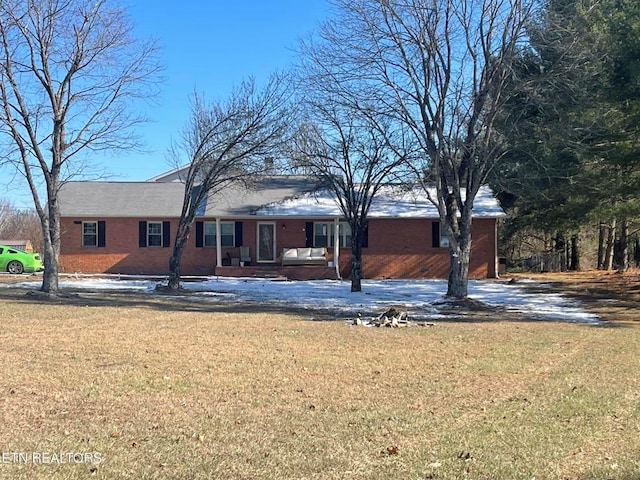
94	233
439	238
154	234
227	234
444	239
89	234
324	234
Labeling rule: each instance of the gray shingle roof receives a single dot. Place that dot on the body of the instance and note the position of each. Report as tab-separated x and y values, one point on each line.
274	196
238	201
121	199
164	199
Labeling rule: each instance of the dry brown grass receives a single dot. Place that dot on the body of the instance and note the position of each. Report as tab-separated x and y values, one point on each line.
163	392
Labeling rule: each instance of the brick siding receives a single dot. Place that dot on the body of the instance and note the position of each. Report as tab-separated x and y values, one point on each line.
398	248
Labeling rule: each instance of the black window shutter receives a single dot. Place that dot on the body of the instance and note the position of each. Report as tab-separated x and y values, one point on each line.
142	233
435	234
238	228
102	234
365	236
166	234
199	234
308	231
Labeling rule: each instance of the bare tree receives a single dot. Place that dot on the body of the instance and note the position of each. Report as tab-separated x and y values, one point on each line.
224	143
7	215
440	68
20	224
350	153
69	70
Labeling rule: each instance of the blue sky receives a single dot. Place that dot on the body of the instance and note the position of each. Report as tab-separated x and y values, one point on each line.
209	46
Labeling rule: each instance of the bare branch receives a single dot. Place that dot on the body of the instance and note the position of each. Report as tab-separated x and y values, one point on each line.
68	72
439	69
227	142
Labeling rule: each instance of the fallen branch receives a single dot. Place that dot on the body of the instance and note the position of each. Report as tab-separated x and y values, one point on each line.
390	318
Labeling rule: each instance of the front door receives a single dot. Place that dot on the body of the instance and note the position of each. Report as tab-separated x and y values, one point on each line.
266	242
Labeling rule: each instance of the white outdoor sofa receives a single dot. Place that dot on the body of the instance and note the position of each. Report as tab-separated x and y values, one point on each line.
304	256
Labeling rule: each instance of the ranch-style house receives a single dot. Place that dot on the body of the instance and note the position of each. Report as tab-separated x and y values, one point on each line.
282	225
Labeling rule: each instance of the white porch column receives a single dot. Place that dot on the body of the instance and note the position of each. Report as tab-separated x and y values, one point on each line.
336	246
218	244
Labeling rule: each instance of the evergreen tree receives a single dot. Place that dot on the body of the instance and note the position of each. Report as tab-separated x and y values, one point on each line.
576	150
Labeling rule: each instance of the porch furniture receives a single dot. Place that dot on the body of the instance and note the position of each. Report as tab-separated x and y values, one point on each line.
304	256
245	256
233	261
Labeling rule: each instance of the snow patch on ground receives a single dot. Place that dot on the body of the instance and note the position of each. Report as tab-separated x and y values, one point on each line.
334	296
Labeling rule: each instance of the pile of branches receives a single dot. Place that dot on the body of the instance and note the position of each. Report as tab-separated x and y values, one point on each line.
390	318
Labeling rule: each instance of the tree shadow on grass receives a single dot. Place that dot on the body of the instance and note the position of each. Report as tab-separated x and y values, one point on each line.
614	298
470	311
629	476
178	302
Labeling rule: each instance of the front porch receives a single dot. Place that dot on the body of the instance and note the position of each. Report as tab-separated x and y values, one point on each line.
291	272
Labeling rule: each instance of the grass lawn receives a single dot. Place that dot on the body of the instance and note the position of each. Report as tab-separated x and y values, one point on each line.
159	391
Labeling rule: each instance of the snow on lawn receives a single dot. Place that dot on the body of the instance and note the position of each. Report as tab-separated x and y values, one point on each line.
334	296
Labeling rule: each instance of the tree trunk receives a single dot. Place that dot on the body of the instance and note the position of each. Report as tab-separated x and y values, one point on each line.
559	242
174	269
611	240
184	228
356	260
458	282
602	234
624	246
51	240
459	256
50	264
558	259
575	252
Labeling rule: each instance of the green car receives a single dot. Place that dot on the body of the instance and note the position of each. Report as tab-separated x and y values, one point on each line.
16	261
